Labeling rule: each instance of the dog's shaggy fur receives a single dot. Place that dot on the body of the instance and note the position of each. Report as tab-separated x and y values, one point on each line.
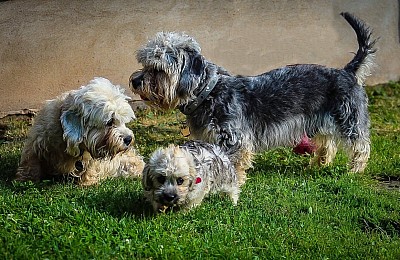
82	133
181	176
273	109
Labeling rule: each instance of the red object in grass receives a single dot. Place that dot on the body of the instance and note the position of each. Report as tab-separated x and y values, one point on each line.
198	180
306	146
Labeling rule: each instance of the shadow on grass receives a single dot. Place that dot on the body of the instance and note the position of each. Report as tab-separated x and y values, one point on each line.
284	161
8	167
119	198
118	203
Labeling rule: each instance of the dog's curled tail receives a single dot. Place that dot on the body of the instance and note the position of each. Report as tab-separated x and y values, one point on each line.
363	62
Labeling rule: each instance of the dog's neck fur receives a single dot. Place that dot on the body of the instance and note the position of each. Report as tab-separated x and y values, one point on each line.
211	76
192	105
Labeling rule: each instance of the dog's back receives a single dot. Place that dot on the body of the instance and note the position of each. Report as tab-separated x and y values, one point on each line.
278	107
212	162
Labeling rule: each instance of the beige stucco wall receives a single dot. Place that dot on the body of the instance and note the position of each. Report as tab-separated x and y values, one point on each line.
48	47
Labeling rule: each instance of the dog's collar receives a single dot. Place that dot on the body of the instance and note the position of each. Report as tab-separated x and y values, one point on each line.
190	107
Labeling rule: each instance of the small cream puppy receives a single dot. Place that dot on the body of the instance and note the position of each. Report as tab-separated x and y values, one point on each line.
181	176
82	133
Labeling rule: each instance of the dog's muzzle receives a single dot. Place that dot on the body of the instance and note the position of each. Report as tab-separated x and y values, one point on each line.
169	199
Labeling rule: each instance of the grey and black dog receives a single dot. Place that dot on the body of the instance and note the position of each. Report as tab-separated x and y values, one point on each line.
255	113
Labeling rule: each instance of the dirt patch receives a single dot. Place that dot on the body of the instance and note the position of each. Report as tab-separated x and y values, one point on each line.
389	182
387	227
15	127
23	112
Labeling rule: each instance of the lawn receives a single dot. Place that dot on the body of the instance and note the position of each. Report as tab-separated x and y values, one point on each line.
286	210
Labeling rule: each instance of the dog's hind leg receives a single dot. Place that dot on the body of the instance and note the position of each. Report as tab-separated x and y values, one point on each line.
326	150
359	152
243	161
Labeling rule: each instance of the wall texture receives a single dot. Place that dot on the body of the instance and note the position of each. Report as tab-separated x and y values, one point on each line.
48	47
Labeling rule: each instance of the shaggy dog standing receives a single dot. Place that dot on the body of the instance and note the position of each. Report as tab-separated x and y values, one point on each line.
82	133
255	113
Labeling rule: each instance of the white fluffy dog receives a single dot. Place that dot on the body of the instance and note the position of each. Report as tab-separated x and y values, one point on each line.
181	176
82	133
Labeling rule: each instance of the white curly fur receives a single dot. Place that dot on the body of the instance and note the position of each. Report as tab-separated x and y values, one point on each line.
82	133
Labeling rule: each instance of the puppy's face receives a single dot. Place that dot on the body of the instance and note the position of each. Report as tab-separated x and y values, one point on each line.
168	178
93	119
172	69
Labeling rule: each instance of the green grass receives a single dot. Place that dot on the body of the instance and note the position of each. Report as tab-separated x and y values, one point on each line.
286	210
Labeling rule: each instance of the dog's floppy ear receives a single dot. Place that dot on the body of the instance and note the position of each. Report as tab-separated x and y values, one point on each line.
72	131
194	67
146	180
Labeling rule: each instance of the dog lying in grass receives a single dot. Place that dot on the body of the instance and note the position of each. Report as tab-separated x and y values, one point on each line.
82	133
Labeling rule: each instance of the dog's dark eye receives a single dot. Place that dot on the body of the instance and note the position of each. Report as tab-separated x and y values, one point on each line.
110	122
179	181
161	179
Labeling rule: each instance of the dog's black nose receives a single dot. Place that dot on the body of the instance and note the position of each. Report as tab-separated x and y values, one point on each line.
79	166
136	80
170	197
127	140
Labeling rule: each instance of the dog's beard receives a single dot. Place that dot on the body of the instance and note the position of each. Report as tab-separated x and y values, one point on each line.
158	89
161	205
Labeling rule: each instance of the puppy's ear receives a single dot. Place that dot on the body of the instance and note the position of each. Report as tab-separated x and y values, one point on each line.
72	131
194	67
146	180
